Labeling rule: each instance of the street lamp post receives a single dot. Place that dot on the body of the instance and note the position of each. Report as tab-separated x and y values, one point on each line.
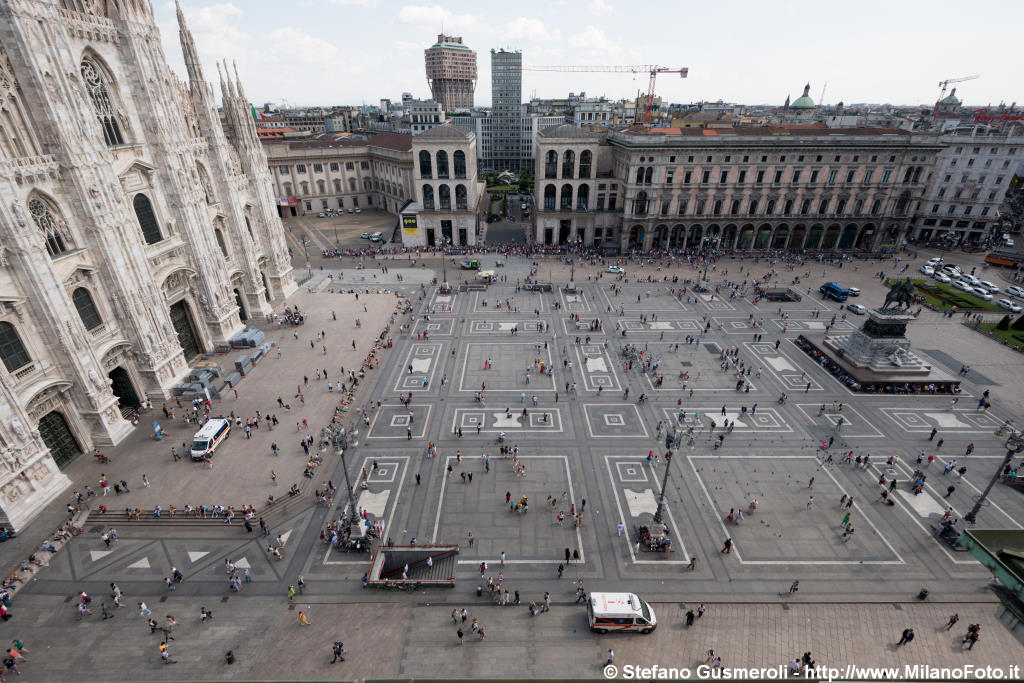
672	441
339	438
444	261
1014	445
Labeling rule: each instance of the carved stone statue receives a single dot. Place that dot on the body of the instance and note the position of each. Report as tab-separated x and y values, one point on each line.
19	213
95	379
19	430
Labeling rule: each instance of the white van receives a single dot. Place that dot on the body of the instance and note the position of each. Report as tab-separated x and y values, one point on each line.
213	434
619	612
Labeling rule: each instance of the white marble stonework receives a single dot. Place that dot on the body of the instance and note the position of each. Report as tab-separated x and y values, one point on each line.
134	226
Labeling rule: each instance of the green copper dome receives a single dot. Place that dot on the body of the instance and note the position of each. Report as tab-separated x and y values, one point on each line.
804	101
951	98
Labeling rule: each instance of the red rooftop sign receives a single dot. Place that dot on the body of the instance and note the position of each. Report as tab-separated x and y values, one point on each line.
981	115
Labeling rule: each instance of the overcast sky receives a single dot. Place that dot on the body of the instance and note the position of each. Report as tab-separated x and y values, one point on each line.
321	52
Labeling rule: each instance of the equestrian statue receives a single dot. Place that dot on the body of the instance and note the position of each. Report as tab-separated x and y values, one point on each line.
901	292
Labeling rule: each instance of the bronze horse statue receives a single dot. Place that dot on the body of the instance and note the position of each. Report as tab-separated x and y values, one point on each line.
901	292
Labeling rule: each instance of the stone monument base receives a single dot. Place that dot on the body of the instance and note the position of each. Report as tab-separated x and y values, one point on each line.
860	376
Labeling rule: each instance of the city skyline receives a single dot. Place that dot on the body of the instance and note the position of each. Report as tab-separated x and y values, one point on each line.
284	59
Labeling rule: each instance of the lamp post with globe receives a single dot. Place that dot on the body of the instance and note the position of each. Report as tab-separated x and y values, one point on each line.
673	442
1014	445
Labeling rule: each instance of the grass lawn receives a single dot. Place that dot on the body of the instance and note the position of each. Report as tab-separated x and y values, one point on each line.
1012	337
503	188
942	296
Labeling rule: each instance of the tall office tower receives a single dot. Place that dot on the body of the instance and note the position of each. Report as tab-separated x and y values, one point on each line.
506	114
451	72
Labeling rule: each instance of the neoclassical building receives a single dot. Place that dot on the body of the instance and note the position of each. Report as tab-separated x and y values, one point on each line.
446	210
136	231
759	187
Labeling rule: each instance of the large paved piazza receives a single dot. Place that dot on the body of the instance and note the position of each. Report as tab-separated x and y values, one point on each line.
856	595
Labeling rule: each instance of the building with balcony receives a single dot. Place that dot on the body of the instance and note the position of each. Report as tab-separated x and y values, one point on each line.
446	210
424	115
506	112
451	73
770	187
341	173
972	175
137	231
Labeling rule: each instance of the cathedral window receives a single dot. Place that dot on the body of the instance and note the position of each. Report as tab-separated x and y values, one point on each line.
86	308
147	219
54	229
220	241
12	351
102	103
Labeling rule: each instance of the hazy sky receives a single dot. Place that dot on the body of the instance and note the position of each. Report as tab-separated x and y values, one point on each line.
358	51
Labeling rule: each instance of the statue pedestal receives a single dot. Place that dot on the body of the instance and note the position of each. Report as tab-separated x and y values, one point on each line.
877	357
880	345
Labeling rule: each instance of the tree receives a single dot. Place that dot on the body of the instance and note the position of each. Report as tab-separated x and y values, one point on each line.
1018	324
1004	324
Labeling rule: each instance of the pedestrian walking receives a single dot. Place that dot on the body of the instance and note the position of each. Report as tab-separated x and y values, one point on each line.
908	635
611	657
339	652
952	621
727	546
291	593
303	620
689	618
794	587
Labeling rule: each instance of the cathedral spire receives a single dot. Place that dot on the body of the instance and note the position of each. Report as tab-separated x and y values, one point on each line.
238	81
227	78
188	49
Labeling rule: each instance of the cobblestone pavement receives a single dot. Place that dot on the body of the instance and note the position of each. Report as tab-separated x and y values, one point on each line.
856	596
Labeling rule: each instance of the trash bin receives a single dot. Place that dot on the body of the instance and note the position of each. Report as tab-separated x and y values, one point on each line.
479	591
923	594
229	656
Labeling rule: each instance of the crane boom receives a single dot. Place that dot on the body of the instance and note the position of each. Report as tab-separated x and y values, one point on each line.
650	69
942	92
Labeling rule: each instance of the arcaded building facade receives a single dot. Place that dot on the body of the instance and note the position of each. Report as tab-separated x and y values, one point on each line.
780	187
135	231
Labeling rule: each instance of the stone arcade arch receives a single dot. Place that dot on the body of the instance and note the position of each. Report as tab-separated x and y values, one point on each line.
122	386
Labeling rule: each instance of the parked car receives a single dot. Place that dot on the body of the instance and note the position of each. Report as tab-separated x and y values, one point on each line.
524	206
964	285
364	235
942	277
928	270
320	215
975	282
357	210
350	210
1008	305
951	270
988	285
853	291
377	237
859	309
616	269
982	293
935	262
1014	290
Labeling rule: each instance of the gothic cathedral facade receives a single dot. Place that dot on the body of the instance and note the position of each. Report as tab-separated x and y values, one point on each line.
137	230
